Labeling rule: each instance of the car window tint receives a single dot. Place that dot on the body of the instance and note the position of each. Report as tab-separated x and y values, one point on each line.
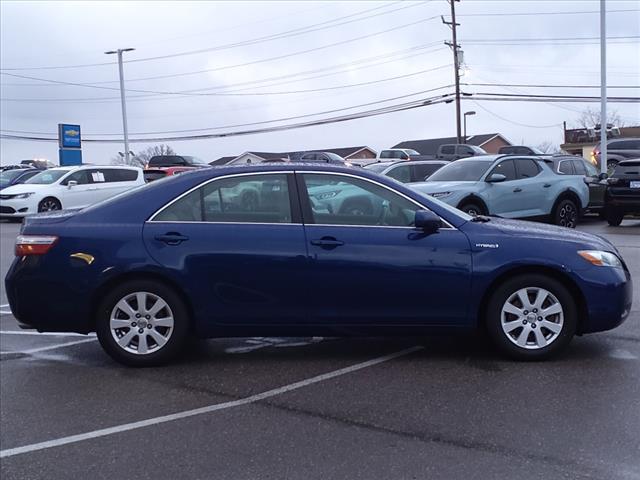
448	149
578	166
400	173
527	168
341	200
81	176
506	168
119	175
246	199
420	172
565	167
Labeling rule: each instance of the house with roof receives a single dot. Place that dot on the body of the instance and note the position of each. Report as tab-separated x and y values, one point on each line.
348	153
489	142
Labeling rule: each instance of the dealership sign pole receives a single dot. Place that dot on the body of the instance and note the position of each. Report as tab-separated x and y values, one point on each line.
603	87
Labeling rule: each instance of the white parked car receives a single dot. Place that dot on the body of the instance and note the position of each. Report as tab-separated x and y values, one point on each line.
67	187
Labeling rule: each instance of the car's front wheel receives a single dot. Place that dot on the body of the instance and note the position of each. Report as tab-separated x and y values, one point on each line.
142	323
531	317
49	204
471	208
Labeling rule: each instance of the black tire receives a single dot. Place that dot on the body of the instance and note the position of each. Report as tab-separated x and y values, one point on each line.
176	340
566	213
49	204
614	217
493	318
472	208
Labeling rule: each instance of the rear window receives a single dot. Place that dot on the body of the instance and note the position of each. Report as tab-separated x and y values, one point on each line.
626	169
393	154
166	161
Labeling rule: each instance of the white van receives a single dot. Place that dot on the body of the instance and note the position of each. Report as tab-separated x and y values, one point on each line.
67	187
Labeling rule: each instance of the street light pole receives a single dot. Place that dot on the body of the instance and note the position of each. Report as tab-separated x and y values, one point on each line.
119	52
464	138
603	87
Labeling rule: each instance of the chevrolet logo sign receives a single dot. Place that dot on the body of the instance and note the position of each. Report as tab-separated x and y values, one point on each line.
72	133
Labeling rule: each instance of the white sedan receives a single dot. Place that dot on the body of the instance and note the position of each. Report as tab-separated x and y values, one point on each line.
67	187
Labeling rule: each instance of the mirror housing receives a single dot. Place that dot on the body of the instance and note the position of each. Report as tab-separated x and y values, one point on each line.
496	178
427	221
71	183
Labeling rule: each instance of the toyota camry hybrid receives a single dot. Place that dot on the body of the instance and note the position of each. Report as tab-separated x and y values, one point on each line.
303	249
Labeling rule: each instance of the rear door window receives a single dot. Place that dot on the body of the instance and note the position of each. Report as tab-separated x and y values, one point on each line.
527	168
448	149
401	173
119	175
578	166
81	177
245	199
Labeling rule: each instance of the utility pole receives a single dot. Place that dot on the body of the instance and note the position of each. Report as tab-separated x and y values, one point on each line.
456	64
120	51
603	87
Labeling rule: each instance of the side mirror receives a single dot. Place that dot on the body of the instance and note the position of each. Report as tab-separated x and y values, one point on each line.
427	220
496	178
71	183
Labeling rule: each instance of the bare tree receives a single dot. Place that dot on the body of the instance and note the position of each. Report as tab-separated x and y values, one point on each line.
590	117
141	159
548	147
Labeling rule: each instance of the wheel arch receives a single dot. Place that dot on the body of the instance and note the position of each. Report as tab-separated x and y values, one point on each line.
123	277
568	282
473	198
567	194
50	197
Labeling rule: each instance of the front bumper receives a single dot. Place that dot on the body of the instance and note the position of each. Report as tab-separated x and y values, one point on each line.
16	208
608	293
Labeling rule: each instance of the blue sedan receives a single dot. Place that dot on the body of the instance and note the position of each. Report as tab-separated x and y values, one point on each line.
286	249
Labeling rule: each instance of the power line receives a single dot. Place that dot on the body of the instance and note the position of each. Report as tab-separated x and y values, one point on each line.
477	40
296	117
325	121
238	44
519	14
299	31
187	95
512	121
545	86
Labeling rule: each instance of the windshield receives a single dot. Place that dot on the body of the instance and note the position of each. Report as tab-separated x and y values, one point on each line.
461	171
8	175
378	167
47	177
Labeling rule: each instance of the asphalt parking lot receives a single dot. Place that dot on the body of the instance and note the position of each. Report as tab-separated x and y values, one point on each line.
306	408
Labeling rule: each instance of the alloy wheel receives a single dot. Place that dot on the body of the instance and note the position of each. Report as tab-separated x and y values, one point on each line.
49	206
141	323
568	216
532	318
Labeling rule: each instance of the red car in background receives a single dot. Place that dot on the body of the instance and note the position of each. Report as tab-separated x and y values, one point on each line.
151	174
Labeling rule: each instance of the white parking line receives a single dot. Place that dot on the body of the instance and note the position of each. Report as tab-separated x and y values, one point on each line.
9	452
45	334
50	347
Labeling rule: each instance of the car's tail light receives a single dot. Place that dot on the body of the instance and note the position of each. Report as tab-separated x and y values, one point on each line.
34	244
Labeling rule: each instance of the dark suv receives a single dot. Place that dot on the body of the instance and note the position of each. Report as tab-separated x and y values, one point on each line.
175	161
618	149
622	196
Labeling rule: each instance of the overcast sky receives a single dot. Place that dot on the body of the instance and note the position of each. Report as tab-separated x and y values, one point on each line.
497	49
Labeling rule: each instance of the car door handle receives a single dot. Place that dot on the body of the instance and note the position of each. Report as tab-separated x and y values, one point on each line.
171	238
546	185
327	242
517	190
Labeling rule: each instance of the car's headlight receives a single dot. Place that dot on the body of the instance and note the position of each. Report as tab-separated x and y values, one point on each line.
326	195
440	194
600	258
23	195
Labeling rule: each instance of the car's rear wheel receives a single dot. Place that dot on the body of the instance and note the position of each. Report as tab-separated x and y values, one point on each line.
49	204
471	208
566	213
614	217
531	317
142	323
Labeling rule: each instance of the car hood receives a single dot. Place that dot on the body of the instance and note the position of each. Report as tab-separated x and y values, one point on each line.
435	187
543	231
24	188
